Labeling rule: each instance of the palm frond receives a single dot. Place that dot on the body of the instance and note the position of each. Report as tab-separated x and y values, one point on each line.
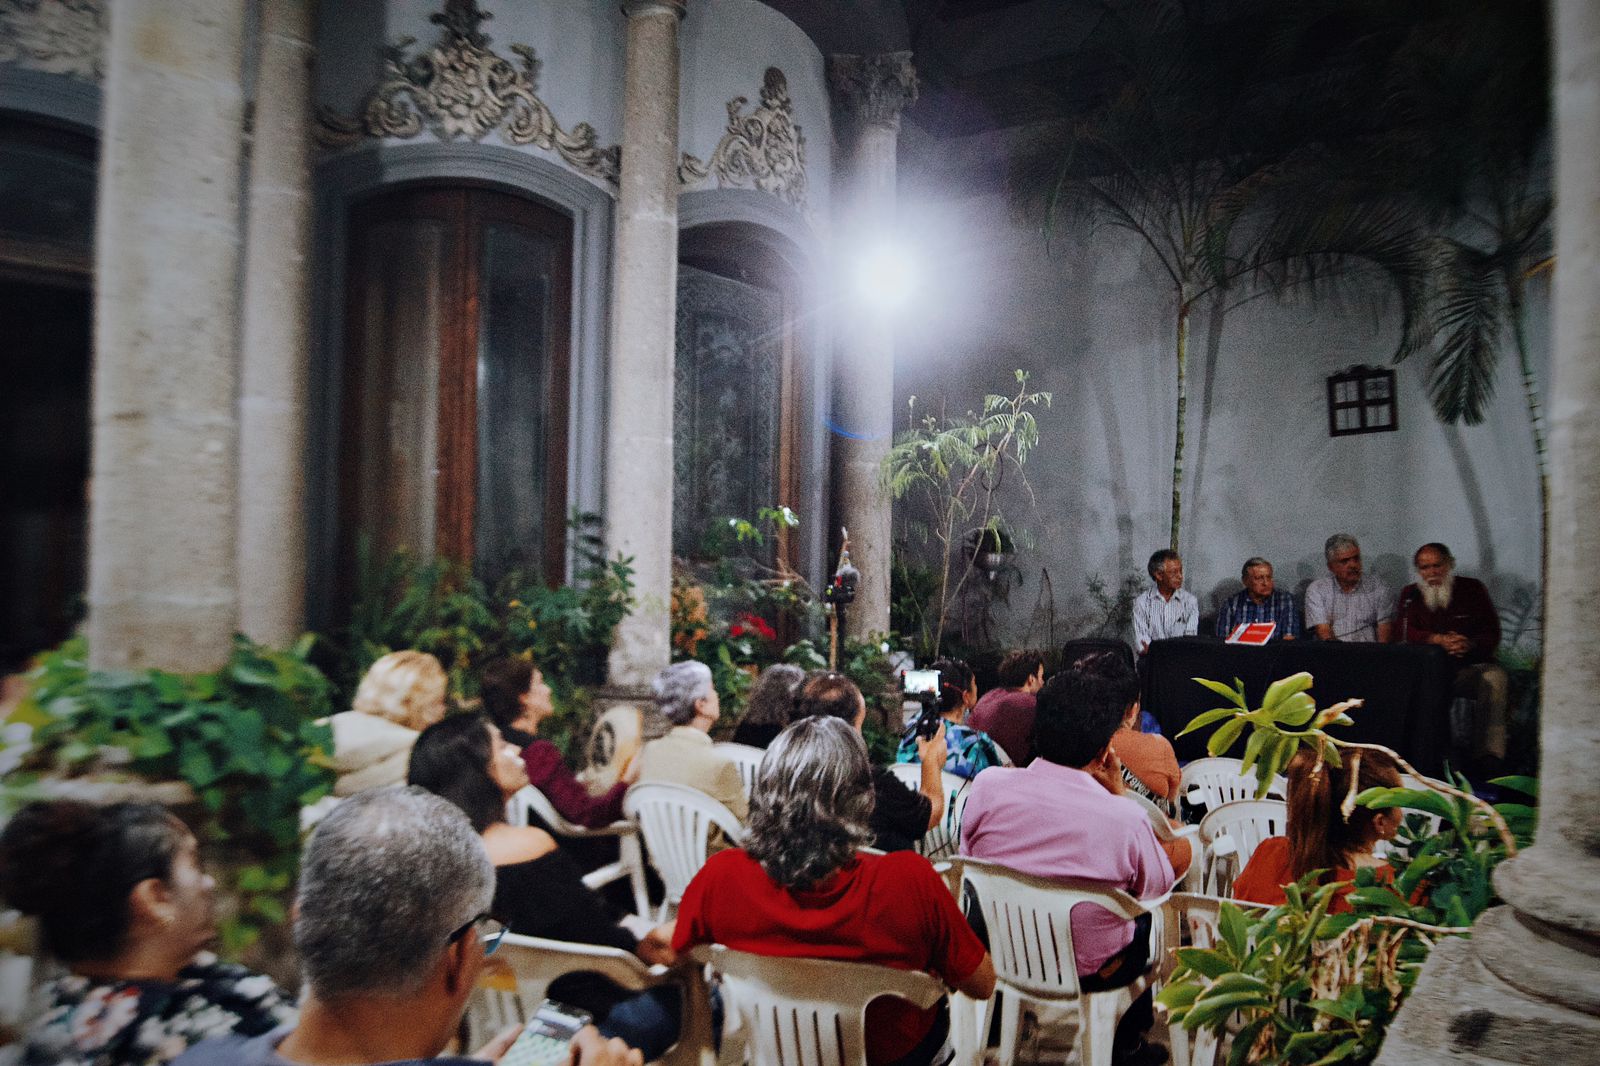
1471	312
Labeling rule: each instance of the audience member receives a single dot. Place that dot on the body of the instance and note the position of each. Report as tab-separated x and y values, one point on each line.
1149	765
1456	613
1345	605
968	750
771	705
1006	712
686	697
1168	609
1064	817
122	902
399	696
392	927
517	700
1319	836
799	888
538	889
900	815
1259	601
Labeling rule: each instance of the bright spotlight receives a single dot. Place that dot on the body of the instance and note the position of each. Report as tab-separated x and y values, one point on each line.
886	277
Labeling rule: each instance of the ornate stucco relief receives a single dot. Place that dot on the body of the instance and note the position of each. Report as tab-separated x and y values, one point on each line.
54	36
462	88
873	88
763	150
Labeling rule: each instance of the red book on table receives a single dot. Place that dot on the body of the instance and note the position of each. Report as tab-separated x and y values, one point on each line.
1252	632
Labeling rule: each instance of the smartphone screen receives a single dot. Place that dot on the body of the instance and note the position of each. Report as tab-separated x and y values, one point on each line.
918	681
546	1039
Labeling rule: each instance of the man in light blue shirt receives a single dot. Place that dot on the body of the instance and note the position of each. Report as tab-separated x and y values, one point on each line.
1166	610
1346	605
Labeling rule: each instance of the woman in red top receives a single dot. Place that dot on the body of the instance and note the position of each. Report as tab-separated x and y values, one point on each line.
1319	836
800	889
517	699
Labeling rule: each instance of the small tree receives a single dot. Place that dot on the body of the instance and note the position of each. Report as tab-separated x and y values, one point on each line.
946	473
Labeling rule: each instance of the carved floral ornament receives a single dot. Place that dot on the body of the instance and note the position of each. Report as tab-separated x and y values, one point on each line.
873	88
763	150
461	88
54	36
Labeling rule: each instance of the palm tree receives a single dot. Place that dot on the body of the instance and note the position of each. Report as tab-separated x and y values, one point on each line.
1214	167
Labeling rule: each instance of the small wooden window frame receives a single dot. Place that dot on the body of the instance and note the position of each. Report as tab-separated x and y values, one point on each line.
1362	400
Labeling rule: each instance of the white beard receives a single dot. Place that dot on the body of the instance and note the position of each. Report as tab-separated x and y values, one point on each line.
1437	597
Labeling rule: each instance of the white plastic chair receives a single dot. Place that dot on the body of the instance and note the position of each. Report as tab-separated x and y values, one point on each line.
676	822
810	1012
943	840
746	757
1210	783
1030	941
1192	879
518	977
1232	832
630	856
1196	914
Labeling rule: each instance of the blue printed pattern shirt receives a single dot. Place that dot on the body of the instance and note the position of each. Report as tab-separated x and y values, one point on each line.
971	750
1279	608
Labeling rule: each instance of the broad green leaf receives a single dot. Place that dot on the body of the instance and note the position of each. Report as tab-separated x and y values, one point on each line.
1205	718
1414	799
1235	929
1283	688
1206	962
1336	1007
1223	738
1234	696
1335	924
1349	1049
1178	995
1209	1009
1244	1040
1296	710
1252	749
1528	786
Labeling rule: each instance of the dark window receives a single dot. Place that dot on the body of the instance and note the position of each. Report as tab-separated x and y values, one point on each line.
1361	400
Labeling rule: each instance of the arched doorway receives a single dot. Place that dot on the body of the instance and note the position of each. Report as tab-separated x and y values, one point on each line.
454	405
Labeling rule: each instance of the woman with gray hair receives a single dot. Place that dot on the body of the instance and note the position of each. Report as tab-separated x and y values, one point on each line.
800	888
687	699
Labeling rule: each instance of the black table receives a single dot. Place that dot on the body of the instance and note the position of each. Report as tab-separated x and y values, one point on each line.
1407	689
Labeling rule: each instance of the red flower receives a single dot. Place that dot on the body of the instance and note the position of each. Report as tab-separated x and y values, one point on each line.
753	623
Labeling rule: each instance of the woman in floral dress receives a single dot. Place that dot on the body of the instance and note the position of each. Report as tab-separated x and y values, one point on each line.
122	902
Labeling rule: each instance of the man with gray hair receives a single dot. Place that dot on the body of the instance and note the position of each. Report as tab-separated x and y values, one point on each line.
1259	601
1345	605
686	698
392	928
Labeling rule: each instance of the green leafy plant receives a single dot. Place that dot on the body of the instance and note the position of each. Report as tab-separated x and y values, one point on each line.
250	740
946	473
1310	986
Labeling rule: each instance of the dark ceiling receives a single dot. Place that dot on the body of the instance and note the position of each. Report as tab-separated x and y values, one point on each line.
983	64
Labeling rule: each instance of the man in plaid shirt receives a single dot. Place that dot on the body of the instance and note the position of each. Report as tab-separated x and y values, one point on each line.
1259	601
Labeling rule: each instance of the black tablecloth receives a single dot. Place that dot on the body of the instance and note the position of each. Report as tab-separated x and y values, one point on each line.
1407	688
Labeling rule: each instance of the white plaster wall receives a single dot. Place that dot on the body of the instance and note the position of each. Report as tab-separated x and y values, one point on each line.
727	47
580	45
1263	475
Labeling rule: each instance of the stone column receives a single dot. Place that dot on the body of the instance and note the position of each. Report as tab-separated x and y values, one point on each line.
643	344
162	511
869	92
276	342
1526	987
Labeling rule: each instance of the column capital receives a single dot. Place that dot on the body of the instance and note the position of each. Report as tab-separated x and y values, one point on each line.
873	88
640	8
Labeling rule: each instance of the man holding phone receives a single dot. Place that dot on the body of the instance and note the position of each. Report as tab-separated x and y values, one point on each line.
392	929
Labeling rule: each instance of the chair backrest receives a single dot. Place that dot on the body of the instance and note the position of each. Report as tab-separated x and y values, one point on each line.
943	840
529	800
1030	925
1210	783
516	979
810	1012
1245	822
746	757
676	822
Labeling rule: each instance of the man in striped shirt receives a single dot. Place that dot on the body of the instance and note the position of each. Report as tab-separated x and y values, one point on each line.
1168	610
1259	601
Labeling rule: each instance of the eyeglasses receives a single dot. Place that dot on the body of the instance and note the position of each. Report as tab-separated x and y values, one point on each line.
491	931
